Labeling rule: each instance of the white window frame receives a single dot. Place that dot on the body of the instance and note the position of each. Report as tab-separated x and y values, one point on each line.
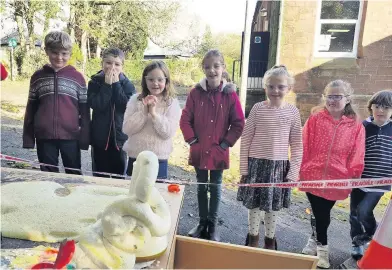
320	21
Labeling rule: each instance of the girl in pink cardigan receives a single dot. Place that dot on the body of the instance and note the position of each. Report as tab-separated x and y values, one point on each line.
152	117
334	148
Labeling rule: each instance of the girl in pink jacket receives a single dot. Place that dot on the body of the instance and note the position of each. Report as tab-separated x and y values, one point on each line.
334	148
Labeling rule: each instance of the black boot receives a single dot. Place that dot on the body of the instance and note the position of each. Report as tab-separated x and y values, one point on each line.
212	231
200	231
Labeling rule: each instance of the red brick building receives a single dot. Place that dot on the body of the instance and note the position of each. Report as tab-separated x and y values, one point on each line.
320	41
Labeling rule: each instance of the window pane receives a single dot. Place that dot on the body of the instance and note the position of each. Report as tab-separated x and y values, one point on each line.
336	37
344	9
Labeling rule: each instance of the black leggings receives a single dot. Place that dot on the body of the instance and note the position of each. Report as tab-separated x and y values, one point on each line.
321	209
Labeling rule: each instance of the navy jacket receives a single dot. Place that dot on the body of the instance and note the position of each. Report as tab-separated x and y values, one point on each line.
378	155
108	103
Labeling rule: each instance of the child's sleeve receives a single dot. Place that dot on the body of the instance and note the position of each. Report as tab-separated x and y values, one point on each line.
237	122
84	112
246	140
307	138
296	147
28	125
135	117
356	159
167	125
187	118
99	95
122	94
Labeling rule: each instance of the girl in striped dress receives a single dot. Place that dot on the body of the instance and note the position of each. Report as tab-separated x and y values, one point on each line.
271	128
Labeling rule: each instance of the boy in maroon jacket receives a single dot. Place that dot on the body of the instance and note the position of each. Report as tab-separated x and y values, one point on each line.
57	115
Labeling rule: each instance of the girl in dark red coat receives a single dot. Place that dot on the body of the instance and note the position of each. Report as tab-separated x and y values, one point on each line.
211	122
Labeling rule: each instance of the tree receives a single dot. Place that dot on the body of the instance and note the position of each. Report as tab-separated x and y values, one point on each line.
229	45
207	42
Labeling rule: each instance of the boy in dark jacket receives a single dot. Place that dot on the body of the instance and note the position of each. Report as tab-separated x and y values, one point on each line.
108	93
378	164
57	115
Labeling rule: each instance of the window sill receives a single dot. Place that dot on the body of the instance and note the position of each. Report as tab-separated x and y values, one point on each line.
335	63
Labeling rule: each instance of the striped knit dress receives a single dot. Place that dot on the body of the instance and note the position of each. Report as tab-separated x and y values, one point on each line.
264	155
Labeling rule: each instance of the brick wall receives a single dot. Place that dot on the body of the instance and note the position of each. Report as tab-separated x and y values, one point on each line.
369	73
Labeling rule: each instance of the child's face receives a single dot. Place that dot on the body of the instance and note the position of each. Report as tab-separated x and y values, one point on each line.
381	114
156	82
58	58
111	62
213	69
277	88
335	100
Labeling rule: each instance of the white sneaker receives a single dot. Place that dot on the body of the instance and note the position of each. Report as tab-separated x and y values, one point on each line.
323	256
311	247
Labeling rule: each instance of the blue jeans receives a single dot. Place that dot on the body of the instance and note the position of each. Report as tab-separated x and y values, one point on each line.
209	210
162	172
362	219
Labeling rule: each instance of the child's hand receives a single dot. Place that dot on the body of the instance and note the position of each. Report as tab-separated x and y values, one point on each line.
243	179
152	105
116	77
109	76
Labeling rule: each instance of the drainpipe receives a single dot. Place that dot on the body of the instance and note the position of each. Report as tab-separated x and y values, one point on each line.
250	8
281	10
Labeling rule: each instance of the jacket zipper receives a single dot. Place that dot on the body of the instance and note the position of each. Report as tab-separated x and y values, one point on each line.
55	106
329	151
198	113
114	127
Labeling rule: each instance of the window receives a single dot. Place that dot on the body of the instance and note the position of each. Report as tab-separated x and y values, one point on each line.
338	28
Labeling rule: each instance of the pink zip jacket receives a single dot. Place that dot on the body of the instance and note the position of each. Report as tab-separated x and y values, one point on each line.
333	149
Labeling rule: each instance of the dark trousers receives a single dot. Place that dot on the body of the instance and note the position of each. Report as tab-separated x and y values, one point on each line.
321	209
362	219
208	210
48	153
111	160
162	172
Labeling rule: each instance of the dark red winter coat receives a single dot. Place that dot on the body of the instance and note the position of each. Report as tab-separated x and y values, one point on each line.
213	117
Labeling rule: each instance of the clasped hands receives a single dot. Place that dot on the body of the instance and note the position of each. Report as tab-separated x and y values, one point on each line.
150	103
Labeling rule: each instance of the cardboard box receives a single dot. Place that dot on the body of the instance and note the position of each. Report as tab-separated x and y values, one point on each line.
191	253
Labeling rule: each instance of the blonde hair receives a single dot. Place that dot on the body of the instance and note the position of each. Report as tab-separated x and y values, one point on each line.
347	91
169	91
276	71
213	53
57	40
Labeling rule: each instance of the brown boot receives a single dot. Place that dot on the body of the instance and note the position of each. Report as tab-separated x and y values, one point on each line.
252	240
270	243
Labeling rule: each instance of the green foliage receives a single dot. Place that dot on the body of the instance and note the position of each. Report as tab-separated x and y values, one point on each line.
229	45
207	43
76	57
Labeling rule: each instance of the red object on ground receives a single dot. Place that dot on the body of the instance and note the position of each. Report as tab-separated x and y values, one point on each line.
64	256
3	72
173	188
379	253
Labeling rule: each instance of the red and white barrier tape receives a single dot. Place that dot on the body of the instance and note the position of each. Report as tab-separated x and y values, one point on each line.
316	184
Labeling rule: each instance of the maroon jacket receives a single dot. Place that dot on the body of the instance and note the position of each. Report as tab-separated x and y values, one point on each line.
216	119
57	107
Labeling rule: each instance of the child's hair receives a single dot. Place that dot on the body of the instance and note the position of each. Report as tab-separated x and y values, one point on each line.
213	53
226	76
383	98
347	91
58	40
169	91
115	52
275	71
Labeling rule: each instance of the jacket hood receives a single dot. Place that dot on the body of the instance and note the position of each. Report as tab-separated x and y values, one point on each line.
223	87
325	114
100	76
